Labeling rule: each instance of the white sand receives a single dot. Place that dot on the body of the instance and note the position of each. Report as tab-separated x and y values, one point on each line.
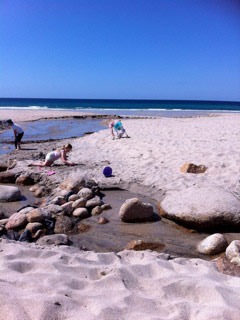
151	158
65	283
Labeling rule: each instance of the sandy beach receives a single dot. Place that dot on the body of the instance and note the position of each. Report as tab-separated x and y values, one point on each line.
66	283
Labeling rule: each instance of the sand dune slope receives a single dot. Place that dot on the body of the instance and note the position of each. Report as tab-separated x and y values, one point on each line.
65	283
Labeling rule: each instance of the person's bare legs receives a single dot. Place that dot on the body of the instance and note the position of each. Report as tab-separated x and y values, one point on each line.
41	164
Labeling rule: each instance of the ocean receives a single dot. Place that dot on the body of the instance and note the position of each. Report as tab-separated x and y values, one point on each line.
124	107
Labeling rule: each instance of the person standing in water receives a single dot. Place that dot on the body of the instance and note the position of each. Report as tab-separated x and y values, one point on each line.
18	133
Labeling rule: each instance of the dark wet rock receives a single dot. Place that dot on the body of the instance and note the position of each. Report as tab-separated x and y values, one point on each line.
96	211
202	207
134	210
233	252
54	239
214	244
192	168
26	236
2	230
7	177
24	180
17	220
138	245
3	166
102	220
64	224
96	201
85	193
81	213
106	206
49	223
9	193
11	235
34	226
35	215
80	203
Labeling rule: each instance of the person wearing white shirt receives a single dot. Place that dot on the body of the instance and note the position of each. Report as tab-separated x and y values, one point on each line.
18	133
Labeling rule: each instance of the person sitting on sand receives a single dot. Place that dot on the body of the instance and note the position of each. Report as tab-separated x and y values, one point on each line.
52	156
117	127
18	133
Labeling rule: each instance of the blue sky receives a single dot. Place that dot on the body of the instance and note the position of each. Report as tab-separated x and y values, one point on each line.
120	49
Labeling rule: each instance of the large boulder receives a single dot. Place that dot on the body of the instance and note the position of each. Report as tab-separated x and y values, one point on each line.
35	215
202	207
9	193
24	180
134	210
233	252
64	224
214	244
85	193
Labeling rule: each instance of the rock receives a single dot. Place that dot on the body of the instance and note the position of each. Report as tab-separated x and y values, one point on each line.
96	211
53	209
4	221
73	197
24	180
72	184
26	236
106	206
225	266
233	252
81	213
214	244
38	234
7	177
96	201
63	224
82	227
85	193
54	239
134	210
26	210
17	220
202	207
102	220
9	193
36	215
59	200
192	168
33	188
138	245
3	166
68	207
40	192
34	226
80	203
66	194
2	230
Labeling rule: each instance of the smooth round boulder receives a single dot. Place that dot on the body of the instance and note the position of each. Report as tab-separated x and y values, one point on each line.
81	213
35	215
134	210
96	211
202	207
96	201
233	252
79	203
214	244
10	193
34	226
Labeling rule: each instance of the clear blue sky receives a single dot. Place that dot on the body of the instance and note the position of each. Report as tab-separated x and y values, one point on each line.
126	49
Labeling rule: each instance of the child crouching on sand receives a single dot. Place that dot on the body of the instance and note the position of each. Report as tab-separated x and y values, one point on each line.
117	127
52	156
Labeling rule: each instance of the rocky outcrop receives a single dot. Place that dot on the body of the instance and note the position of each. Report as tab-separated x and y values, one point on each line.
134	210
202	207
214	244
9	193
